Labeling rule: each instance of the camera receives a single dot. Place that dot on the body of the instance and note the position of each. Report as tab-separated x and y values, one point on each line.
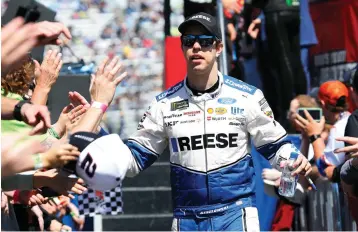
29	13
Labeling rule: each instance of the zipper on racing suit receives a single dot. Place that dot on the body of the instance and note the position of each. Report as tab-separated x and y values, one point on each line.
206	157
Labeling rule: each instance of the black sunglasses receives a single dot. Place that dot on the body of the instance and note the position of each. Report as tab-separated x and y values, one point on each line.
204	40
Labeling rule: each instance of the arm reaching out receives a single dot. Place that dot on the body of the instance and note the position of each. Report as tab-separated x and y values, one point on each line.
46	76
352	150
15	46
31	155
109	158
141	150
18	159
254	28
34	115
102	91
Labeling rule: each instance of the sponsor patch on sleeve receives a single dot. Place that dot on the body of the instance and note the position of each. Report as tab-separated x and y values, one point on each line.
263	104
140	124
265	108
268	113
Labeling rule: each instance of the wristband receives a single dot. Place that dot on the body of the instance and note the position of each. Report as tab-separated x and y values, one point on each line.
99	105
73	214
53	133
16	197
37	161
314	138
17	110
321	165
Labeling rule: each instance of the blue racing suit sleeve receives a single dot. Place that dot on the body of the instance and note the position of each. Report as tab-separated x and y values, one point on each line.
102	132
143	156
268	136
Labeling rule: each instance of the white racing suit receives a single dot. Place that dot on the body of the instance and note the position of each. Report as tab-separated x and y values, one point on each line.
212	172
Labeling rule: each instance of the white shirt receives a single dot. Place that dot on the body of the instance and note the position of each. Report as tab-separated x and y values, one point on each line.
336	131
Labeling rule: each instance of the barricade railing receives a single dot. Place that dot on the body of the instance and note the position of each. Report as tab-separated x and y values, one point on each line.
324	210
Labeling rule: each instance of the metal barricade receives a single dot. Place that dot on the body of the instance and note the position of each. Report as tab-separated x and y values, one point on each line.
324	210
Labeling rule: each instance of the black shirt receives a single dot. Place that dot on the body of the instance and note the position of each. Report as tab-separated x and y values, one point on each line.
276	5
352	126
351	131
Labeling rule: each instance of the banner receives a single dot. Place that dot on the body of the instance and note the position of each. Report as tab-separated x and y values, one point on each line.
175	66
336	25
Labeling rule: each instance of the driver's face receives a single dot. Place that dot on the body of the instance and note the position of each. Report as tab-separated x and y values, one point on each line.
200	58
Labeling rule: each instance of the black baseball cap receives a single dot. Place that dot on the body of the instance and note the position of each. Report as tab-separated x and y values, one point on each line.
206	20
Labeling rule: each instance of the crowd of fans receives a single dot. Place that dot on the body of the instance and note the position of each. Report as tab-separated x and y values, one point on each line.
36	191
323	142
132	32
278	32
288	32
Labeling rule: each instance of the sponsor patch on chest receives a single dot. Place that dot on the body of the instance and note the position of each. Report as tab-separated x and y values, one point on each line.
179	105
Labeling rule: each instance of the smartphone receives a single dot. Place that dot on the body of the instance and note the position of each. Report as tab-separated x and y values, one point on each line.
316	113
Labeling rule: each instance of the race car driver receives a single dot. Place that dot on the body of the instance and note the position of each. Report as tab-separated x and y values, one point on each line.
207	120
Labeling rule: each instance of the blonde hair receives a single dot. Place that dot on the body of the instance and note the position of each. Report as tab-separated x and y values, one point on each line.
306	101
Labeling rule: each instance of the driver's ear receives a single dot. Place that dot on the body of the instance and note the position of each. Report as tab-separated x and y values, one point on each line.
219	48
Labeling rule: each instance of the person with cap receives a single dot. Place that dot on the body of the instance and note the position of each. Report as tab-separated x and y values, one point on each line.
208	121
333	98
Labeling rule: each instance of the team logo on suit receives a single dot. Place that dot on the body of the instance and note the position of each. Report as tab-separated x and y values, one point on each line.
220	110
204	141
226	100
237	110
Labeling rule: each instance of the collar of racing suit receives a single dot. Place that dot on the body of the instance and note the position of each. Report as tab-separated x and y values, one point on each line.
201	92
209	94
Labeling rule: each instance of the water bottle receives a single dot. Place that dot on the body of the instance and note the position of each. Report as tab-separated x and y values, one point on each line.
288	182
